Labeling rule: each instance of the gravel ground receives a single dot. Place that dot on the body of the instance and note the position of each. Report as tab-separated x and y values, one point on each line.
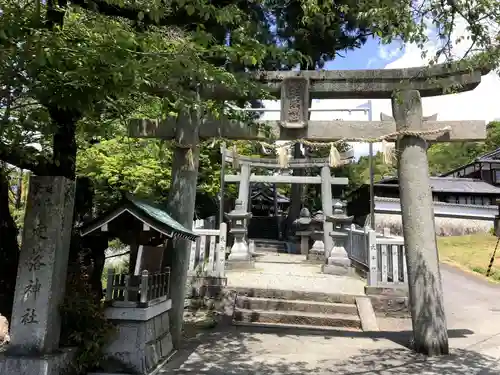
291	272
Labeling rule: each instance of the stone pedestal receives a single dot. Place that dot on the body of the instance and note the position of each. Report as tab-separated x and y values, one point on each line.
304	241
251	247
239	250
142	339
317	251
338	262
48	364
41	280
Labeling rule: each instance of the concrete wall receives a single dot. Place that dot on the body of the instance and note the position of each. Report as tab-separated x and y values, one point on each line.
444	226
142	339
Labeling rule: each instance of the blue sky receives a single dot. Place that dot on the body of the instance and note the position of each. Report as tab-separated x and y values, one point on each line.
479	104
371	56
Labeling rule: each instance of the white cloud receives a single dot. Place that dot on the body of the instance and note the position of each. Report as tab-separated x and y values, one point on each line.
387	53
479	104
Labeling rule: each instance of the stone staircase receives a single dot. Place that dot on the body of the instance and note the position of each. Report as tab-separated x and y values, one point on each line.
290	309
269	246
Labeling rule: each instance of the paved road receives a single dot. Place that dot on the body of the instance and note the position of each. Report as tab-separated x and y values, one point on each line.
473	303
473	312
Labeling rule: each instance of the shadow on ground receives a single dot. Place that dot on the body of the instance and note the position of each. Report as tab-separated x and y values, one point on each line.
239	351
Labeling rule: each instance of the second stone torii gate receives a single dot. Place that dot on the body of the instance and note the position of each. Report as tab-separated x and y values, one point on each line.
325	179
405	88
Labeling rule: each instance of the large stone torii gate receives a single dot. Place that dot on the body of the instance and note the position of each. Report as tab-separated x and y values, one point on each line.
404	87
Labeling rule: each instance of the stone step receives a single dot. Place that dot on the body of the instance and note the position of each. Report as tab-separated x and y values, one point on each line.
297	318
263	245
260	249
269	304
295	295
294	327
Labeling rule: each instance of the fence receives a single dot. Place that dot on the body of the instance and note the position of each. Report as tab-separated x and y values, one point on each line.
381	256
208	252
124	290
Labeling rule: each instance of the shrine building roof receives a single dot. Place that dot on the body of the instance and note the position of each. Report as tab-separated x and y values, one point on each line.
150	214
451	185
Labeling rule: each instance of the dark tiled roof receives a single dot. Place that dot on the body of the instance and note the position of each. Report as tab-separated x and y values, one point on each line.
266	192
462	185
490	155
453	185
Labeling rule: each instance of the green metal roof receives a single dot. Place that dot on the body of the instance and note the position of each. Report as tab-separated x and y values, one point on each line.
148	212
155	212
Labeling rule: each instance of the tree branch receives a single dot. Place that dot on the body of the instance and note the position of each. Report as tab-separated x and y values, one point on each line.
28	158
130	13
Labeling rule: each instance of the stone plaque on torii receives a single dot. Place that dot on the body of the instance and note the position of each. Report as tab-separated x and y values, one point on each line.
404	87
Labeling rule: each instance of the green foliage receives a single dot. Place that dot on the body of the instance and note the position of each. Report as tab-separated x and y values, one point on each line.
443	157
393	20
18	190
84	325
143	167
359	173
131	165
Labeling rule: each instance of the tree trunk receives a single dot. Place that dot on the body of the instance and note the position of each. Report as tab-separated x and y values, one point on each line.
19	191
9	249
297	191
64	141
88	251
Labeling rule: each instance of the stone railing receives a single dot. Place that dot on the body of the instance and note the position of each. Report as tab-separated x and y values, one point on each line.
208	252
124	290
380	257
391	261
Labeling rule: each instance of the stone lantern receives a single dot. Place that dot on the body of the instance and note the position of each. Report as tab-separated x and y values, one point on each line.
317	251
338	262
301	228
239	251
311	228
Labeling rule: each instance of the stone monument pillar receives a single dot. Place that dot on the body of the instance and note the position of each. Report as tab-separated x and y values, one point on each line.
244	192
240	256
244	188
338	262
326	206
41	280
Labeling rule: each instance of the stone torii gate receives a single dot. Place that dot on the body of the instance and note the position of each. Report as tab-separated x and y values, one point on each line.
404	87
244	178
